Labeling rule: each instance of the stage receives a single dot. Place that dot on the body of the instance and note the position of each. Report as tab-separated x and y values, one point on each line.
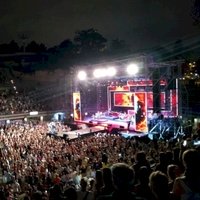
114	122
131	107
75	134
109	123
156	128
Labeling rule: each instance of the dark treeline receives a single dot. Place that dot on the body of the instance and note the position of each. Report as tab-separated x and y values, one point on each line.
87	46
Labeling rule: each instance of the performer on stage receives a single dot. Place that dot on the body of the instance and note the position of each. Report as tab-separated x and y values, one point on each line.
140	111
131	122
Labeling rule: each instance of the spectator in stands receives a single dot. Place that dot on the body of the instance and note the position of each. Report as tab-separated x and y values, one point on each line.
158	182
173	172
83	193
70	193
142	188
188	186
98	182
140	162
108	187
123	180
177	160
162	165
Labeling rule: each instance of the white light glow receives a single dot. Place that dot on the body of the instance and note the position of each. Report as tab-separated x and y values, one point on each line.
132	69
82	75
33	113
111	71
98	73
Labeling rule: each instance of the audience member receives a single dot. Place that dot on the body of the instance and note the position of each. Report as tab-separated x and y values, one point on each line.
158	182
188	186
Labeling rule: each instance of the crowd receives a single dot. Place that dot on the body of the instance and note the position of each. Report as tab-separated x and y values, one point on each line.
34	165
12	103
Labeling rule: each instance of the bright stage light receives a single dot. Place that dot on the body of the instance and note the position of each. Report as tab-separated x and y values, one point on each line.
82	75
132	69
111	71
98	73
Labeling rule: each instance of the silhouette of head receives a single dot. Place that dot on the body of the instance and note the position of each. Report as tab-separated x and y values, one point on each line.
123	176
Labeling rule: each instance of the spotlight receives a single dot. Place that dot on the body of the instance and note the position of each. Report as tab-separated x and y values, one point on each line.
132	69
98	73
82	75
111	71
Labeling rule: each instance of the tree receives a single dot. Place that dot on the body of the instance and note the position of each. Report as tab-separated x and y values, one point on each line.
35	47
90	41
66	44
66	47
13	47
42	48
195	12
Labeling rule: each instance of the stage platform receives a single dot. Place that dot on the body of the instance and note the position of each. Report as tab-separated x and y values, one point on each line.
70	135
109	122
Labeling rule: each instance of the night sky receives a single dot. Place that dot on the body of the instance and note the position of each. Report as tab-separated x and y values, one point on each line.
141	23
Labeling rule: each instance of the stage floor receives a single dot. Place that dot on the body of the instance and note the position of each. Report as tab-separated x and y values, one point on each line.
112	123
107	122
81	132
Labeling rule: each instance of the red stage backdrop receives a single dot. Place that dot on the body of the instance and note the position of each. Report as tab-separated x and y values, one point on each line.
174	102
77	106
150	100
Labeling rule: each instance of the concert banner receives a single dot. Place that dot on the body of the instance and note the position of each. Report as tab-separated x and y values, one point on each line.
77	106
140	107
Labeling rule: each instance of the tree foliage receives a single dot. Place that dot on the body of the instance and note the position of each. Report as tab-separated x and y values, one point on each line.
35	47
195	12
9	48
90	41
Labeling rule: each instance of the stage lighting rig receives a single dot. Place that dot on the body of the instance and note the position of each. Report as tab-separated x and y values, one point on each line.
82	75
132	69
